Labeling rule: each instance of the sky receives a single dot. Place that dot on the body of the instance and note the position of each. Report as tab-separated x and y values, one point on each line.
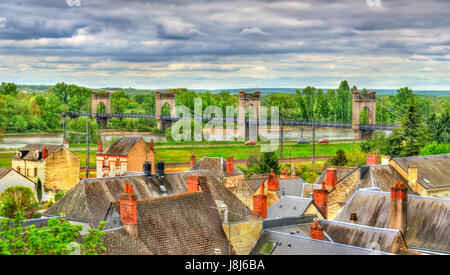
374	44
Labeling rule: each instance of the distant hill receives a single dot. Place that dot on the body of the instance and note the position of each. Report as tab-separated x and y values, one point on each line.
43	88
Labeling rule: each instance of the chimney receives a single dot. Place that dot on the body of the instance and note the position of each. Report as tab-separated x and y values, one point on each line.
399	206
385	160
229	166
260	203
369	159
66	144
317	230
273	183
331	177
320	198
353	218
192	184
128	210
147	168
99	146
412	177
160	168
372	159
152	145
193	159
44	152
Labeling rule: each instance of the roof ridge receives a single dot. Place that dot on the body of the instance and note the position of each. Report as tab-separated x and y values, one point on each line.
359	225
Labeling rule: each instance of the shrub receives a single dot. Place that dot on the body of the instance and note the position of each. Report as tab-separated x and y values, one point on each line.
18	198
435	149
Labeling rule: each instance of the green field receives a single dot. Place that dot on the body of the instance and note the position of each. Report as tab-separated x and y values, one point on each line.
177	154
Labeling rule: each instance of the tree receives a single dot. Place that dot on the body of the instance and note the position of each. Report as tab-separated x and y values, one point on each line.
39	190
54	239
17	198
119	102
267	162
435	149
413	131
439	127
79	125
9	89
344	86
339	160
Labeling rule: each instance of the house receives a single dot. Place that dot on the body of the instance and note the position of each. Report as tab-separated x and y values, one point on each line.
55	165
126	154
300	236
423	221
222	169
9	178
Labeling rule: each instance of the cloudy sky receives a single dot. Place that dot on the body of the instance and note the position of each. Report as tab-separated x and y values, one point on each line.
226	44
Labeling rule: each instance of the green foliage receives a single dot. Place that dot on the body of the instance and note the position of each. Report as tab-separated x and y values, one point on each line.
435	148
59	195
17	198
439	127
79	125
54	239
9	89
119	102
267	162
340	159
39	190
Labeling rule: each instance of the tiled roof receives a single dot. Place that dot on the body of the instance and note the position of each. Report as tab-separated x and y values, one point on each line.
183	224
428	218
288	206
342	172
433	171
30	148
382	177
213	164
291	187
289	244
91	198
122	146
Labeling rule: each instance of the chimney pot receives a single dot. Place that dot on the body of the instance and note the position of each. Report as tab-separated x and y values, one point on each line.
99	146
317	230
260	203
147	168
273	182
320	198
353	218
399	206
229	166
44	152
160	168
192	184
193	161
331	177
128	210
152	145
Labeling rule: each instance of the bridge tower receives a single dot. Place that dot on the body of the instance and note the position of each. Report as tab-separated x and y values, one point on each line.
361	101
248	100
162	98
98	98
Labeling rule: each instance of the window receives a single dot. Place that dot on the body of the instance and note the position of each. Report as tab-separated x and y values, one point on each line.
35	171
268	248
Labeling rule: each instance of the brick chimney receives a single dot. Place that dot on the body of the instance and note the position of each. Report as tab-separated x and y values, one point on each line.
44	152
399	206
273	182
193	161
99	146
385	160
128	210
192	184
331	177
152	145
353	218
372	159
317	230
260	203
412	177
320	198
229	166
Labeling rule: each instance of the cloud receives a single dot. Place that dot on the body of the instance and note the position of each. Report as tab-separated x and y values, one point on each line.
216	44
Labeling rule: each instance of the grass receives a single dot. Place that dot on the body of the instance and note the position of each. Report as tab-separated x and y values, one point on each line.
177	154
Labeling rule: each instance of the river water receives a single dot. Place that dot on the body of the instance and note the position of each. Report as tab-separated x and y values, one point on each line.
13	141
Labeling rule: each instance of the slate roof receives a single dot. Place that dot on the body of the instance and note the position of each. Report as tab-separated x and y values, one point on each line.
382	177
3	172
342	172
361	236
212	164
428	218
288	244
122	146
182	224
288	206
91	198
433	171
291	187
30	148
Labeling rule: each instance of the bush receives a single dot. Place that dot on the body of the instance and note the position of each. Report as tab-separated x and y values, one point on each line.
18	199
59	195
435	149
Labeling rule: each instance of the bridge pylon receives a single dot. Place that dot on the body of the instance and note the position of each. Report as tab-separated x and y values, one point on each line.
247	101
99	97
359	102
162	98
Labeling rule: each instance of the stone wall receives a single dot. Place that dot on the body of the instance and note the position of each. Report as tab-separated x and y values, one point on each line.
62	169
342	193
